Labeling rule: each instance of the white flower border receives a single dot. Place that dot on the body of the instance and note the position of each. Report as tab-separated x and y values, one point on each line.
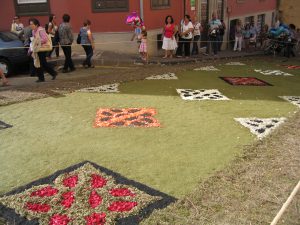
244	121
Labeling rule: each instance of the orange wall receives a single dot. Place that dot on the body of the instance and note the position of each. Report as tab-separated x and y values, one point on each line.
101	22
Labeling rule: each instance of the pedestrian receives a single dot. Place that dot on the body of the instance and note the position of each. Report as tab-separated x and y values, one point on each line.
2	76
264	36
253	34
247	35
17	27
41	44
186	35
65	40
221	34
143	46
87	42
53	32
169	40
238	36
196	36
213	34
291	41
27	41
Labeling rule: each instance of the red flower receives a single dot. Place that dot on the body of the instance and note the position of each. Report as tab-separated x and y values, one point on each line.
121	206
118	192
68	199
45	192
96	219
70	181
36	207
98	181
59	220
95	199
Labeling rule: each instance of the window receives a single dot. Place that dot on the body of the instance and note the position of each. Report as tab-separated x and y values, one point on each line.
204	12
260	22
32	7
160	4
249	19
110	5
220	10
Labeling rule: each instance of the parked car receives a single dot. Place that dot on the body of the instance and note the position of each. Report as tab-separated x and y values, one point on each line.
12	52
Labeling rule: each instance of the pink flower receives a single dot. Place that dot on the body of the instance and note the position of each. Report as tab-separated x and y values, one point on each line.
118	192
98	181
121	206
36	207
45	192
68	199
70	181
96	219
95	199
59	220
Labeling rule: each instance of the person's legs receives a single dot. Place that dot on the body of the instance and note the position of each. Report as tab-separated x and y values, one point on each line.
187	47
208	46
235	43
4	80
90	55
215	45
195	50
45	66
70	61
180	46
40	70
220	42
240	43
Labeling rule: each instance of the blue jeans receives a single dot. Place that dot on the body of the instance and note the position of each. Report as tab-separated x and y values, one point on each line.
89	54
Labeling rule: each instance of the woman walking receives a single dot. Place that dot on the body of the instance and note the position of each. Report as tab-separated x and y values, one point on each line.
53	32
197	36
169	41
87	42
41	44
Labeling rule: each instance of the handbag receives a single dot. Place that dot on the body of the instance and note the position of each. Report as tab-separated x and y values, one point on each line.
47	46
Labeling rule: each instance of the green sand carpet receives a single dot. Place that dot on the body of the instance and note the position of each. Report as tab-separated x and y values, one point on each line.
195	138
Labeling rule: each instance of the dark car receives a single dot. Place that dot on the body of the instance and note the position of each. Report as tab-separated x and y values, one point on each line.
12	52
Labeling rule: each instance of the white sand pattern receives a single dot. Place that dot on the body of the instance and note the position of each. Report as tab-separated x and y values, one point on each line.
292	99
166	76
261	127
199	95
207	68
109	88
273	73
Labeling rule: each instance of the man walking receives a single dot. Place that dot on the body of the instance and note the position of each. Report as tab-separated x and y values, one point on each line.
66	39
213	34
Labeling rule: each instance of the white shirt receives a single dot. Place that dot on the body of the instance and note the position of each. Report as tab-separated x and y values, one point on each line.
185	28
197	26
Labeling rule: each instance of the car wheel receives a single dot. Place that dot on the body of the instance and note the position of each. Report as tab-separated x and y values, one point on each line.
6	67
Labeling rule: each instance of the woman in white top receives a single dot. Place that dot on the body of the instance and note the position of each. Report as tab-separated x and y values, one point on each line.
17	27
53	32
186	36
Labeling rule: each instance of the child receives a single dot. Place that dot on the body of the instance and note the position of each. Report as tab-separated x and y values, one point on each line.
143	46
4	80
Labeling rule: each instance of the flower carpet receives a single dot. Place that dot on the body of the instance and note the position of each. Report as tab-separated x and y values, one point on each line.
82	194
131	117
207	68
4	125
261	127
273	72
292	99
248	81
198	95
109	88
292	67
166	76
193	139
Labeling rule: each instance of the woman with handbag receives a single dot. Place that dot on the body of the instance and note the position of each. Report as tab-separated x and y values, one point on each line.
40	46
169	41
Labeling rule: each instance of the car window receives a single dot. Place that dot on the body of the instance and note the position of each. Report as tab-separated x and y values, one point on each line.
7	37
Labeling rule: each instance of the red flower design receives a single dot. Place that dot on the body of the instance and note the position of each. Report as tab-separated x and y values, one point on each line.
96	219
68	199
59	220
98	181
45	192
70	181
121	206
95	199
36	207
118	192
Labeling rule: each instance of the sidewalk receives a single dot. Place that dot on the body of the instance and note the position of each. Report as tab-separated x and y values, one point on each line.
117	59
